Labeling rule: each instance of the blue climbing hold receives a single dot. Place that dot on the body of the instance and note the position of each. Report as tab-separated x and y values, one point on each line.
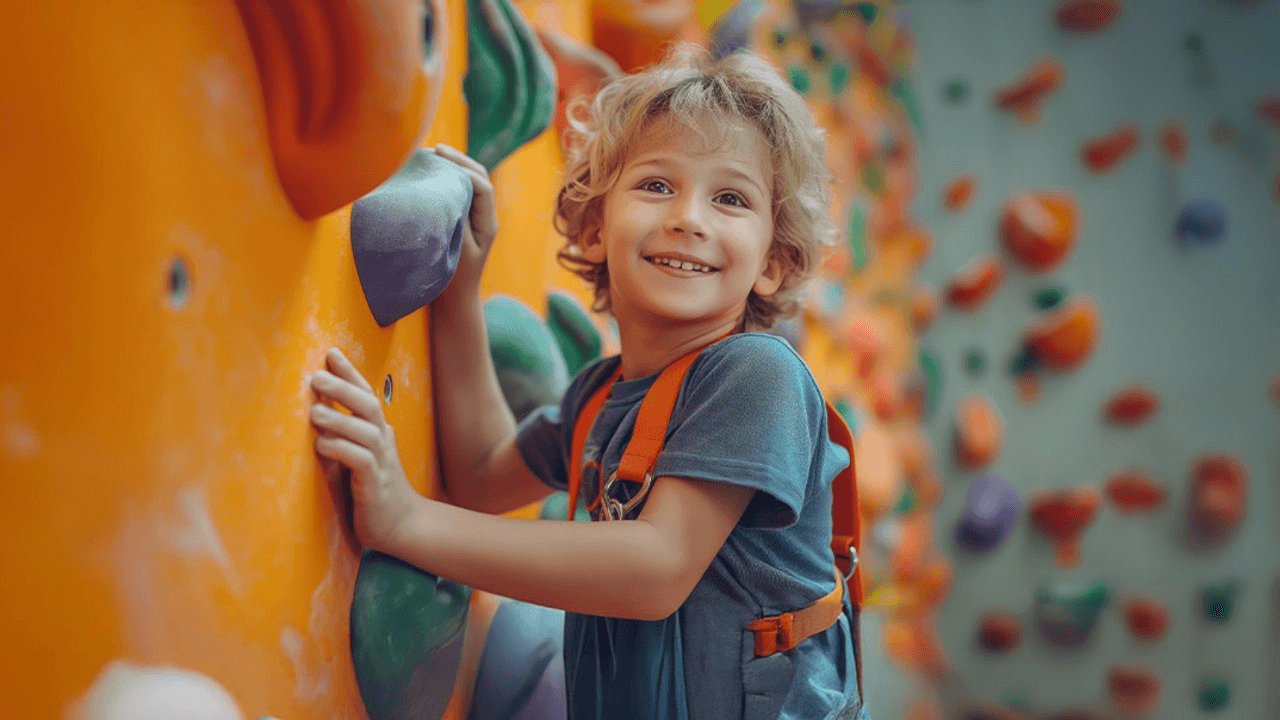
1201	221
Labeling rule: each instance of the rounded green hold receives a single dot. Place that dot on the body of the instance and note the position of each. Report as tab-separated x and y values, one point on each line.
799	78
1219	600
1215	694
1048	297
858	235
846	412
574	333
1024	361
906	94
530	368
932	371
867	10
556	505
974	362
906	501
838	75
406	637
957	90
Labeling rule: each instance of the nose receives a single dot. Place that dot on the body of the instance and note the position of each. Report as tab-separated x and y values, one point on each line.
685	217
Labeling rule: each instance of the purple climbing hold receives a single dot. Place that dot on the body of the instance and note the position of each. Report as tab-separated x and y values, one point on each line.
990	511
1201	221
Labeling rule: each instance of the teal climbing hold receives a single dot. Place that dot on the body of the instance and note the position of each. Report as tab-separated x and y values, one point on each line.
799	78
1219	600
1068	612
867	10
556	507
530	368
1024	361
974	362
1048	298
906	94
858	235
571	326
850	416
510	85
838	75
1215	694
957	90
906	502
406	637
932	371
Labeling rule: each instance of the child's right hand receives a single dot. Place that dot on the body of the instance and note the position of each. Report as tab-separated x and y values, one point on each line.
477	237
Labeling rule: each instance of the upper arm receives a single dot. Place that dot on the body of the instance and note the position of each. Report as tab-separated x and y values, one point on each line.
693	518
505	483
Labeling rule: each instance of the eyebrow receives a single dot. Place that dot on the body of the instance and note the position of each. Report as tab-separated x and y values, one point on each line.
664	164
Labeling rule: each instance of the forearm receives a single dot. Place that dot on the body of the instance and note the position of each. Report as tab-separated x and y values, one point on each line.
471	417
621	569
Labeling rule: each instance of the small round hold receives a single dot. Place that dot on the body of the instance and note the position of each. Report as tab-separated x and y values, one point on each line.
1215	694
1048	298
179	283
386	390
974	362
957	90
1202	221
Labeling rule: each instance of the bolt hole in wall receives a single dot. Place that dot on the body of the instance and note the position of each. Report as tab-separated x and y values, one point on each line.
178	282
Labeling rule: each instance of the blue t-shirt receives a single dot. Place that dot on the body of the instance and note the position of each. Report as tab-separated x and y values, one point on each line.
748	413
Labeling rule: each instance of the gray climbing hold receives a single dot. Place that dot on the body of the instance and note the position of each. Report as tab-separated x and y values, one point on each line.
530	369
524	640
406	235
990	512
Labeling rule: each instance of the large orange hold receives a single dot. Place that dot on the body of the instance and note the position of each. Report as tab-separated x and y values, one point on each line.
1039	227
979	432
1106	151
1062	515
970	287
1064	337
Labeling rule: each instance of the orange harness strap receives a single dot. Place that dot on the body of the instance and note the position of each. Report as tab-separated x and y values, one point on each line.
775	633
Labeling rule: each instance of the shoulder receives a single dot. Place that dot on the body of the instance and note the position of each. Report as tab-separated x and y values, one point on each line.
754	365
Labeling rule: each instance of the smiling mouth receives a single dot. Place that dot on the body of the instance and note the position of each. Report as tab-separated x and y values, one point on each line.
678	264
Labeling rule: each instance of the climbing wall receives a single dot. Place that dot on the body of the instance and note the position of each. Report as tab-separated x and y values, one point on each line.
1103	183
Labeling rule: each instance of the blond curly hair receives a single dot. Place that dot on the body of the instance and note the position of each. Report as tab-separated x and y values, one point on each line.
687	86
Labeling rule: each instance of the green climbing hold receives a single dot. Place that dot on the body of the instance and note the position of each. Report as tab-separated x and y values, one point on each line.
799	78
867	10
1048	297
838	74
406	637
957	90
1219	600
858	235
528	362
1024	361
1068	612
510	85
571	326
932	371
556	505
906	94
906	501
1215	693
872	172
975	363
846	412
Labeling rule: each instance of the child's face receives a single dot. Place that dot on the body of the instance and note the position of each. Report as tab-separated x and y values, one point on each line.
687	228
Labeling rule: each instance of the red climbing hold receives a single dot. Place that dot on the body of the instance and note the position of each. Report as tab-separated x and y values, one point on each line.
1063	515
1087	15
1024	94
1062	338
1105	151
1131	406
1269	108
1219	494
979	431
972	285
1134	689
1039	227
1132	492
999	631
957	192
1147	619
1173	139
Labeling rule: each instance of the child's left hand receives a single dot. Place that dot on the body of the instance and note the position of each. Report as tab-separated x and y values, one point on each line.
363	441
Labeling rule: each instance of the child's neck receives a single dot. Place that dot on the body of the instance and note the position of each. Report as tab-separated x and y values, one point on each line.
646	349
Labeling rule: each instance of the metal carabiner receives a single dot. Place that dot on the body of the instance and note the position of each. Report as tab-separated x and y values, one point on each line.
612	509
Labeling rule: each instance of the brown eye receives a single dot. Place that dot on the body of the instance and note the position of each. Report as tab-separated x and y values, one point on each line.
655	186
734	199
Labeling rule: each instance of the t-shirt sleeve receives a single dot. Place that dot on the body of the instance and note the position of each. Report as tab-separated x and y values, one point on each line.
750	414
545	436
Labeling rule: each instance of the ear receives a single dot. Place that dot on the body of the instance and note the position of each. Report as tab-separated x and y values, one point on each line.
592	245
770	277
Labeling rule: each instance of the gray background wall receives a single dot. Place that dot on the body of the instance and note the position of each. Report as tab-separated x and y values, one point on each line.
1200	325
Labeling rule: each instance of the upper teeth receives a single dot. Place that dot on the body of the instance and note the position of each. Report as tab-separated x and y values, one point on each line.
682	264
